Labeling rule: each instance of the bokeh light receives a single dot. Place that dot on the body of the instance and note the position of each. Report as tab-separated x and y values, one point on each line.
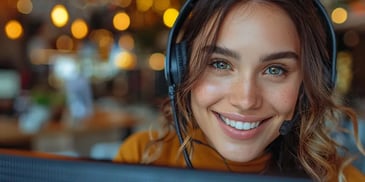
344	71
79	29
351	38
13	29
157	61
64	42
170	16
122	3
126	60
339	15
59	15
126	41
161	5
144	5
121	21
24	6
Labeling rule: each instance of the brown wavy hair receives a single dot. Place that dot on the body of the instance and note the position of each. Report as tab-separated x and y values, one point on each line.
308	148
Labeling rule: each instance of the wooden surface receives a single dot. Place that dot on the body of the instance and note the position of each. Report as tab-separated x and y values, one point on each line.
10	132
100	121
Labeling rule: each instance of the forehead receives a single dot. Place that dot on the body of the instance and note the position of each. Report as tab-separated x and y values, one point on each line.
247	10
260	24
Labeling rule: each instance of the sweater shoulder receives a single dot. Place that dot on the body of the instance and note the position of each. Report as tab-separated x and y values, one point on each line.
132	148
353	174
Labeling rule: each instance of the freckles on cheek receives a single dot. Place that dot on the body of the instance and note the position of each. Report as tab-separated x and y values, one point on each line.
288	99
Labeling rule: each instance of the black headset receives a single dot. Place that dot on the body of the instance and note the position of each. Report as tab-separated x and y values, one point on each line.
176	61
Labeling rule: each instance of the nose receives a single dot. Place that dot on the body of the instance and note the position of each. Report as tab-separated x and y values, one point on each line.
245	94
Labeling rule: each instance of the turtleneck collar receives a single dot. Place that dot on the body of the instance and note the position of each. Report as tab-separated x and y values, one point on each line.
206	157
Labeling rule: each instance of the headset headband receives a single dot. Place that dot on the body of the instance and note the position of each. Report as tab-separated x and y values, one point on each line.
171	67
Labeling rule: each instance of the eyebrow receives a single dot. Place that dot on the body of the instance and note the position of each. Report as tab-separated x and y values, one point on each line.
269	57
222	50
280	55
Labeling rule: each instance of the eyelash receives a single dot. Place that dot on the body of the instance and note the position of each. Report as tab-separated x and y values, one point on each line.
214	63
282	70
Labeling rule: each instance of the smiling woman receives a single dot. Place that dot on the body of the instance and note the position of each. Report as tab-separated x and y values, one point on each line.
255	96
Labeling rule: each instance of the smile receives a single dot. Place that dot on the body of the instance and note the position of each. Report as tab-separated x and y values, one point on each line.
241	125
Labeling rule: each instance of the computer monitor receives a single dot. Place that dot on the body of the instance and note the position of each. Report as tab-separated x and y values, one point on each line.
16	167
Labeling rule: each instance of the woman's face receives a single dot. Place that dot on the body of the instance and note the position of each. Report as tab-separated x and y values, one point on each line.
252	82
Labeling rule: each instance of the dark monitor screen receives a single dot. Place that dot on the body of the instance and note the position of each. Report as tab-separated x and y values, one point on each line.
31	168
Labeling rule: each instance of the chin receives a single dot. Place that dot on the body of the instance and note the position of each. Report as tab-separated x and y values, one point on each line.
240	156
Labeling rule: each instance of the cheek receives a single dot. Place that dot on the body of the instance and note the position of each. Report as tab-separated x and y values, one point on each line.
285	100
203	93
207	92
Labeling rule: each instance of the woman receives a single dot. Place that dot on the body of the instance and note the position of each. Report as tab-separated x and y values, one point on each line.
254	66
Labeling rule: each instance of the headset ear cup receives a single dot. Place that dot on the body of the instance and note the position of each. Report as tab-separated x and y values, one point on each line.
181	59
332	45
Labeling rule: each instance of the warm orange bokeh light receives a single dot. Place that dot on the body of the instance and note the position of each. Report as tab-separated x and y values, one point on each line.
13	29
79	29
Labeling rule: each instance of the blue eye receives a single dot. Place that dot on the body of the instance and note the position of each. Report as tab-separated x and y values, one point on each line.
221	65
275	70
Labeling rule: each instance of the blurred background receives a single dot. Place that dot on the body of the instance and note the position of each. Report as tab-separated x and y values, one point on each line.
77	77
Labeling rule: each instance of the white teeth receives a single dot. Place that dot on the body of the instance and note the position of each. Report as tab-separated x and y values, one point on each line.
240	125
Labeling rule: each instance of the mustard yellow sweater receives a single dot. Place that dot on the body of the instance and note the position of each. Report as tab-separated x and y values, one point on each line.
132	149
